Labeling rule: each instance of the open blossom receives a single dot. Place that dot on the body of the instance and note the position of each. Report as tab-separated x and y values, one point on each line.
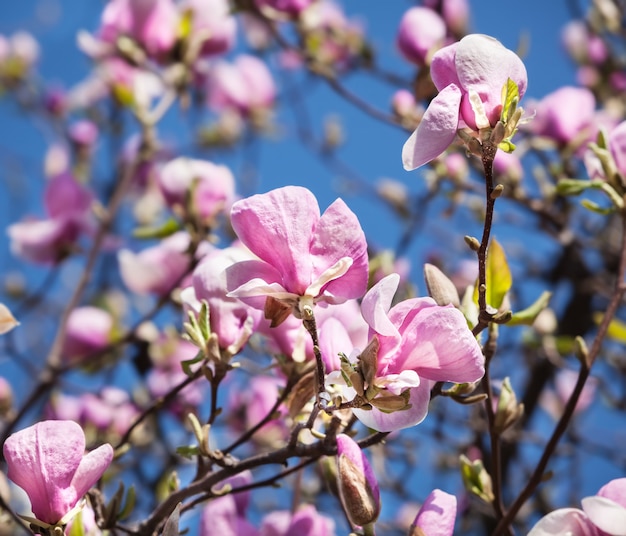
470	76
419	343
290	7
48	461
212	185
437	515
306	521
603	514
302	254
49	240
88	330
212	24
152	23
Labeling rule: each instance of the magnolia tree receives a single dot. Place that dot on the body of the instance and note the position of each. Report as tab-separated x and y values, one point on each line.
188	352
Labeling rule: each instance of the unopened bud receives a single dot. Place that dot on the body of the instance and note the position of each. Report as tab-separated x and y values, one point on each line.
472	242
476	479
439	286
357	484
508	410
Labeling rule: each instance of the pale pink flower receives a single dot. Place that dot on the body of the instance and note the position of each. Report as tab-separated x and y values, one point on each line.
617	150
420	343
232	320
50	240
110	411
403	103
226	515
212	24
421	32
554	118
290	7
88	330
48	461
508	165
553	402
306	521
83	133
603	514
245	85
213	186
152	23
470	76
157	269
437	515
583	45
302	254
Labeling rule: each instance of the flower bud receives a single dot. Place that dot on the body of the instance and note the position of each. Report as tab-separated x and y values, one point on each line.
440	288
476	479
508	411
358	488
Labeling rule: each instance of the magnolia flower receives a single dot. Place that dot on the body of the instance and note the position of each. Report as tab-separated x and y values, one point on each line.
356	482
437	515
306	521
48	461
470	76
412	345
603	514
212	25
290	7
88	330
421	31
303	256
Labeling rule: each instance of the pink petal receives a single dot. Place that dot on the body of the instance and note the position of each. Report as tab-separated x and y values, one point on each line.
437	344
607	515
443	68
617	145
438	514
436	131
91	468
376	304
615	490
334	339
277	227
389	422
338	234
564	521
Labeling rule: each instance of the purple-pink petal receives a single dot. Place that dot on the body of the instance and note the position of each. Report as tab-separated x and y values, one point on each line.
376	304
606	514
438	514
436	131
564	521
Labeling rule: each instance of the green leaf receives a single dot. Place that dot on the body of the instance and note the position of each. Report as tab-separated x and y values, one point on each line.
527	316
499	278
573	186
594	207
129	504
507	146
167	228
617	328
510	98
188	451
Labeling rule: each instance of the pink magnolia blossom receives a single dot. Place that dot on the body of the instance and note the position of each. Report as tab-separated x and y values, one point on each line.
554	118
617	151
83	133
290	7
356	482
306	521
583	45
455	13
245	85
420	343
152	23
213	186
88	330
213	24
437	515
302	254
48	461
470	76
157	269
232	320
603	514
422	31
49	240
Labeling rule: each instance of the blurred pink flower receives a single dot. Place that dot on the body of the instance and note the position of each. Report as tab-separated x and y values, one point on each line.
554	118
232	320
213	186
152	23
420	343
88	330
553	402
83	133
421	32
470	76
437	515
603	514
302	254
508	165
50	240
306	521
157	269
48	461
617	151
583	45
213	24
290	7
110	411
245	85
